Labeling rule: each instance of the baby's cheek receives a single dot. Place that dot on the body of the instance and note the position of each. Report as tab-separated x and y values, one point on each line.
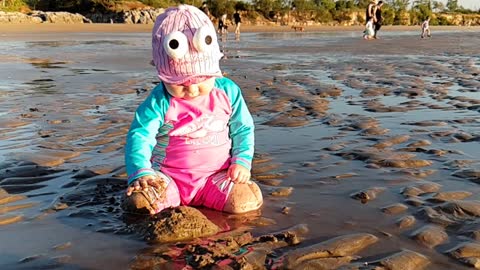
205	90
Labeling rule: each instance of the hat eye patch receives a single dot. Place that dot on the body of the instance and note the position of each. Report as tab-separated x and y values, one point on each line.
176	45
204	38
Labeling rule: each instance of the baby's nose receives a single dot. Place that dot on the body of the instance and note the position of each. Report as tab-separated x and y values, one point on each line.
192	89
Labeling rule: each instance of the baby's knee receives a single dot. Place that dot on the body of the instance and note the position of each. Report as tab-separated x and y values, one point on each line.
244	198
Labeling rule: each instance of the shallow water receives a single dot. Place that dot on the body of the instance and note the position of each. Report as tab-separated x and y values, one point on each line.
67	101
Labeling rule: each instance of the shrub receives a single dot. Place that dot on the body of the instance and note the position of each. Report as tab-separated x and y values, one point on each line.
14	5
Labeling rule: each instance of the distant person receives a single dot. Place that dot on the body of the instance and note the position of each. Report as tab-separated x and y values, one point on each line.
222	24
191	142
205	9
426	28
369	12
369	31
237	19
377	18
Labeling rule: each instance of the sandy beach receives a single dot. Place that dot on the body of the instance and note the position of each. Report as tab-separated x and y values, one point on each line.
143	28
366	151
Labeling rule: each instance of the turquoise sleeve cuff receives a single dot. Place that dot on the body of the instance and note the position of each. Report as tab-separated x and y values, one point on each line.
140	173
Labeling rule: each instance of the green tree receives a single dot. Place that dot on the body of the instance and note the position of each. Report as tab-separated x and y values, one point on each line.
362	3
388	14
421	9
303	5
452	5
323	15
165	3
399	5
240	5
344	5
265	7
399	8
327	4
438	6
32	3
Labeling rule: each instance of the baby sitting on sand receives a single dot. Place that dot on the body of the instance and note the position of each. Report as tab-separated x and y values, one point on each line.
191	141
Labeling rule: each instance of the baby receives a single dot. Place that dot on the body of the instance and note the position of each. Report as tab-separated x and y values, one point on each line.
426	28
368	33
191	141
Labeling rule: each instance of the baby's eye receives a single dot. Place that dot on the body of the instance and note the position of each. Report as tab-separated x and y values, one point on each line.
176	45
204	38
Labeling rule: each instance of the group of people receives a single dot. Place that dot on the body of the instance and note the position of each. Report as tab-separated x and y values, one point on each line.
222	20
223	26
374	21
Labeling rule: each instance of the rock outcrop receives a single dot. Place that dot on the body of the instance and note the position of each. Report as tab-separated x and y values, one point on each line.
143	16
42	17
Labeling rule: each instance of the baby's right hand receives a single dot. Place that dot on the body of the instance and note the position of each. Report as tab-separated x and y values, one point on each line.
144	182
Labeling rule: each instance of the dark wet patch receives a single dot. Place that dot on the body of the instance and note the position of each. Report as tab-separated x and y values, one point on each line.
105	42
51	43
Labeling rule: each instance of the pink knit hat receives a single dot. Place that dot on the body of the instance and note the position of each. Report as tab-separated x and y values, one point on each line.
185	46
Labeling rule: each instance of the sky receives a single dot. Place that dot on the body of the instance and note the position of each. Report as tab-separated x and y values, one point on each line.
470	4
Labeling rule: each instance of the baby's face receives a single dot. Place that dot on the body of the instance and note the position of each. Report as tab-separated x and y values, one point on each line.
191	91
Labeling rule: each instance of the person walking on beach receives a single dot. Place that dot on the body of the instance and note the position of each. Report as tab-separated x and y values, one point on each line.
222	24
205	9
191	141
426	28
237	19
369	12
377	18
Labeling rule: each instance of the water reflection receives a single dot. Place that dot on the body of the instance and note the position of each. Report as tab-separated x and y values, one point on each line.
43	86
46	63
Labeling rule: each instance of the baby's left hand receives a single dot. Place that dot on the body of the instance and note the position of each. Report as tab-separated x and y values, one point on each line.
239	174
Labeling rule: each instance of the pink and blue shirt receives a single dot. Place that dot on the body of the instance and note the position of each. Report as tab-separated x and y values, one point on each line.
190	140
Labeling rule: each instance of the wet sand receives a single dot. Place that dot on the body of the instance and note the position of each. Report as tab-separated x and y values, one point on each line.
370	137
11	28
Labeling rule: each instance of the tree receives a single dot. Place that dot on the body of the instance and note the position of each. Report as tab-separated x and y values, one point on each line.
327	4
266	6
399	8
438	6
388	14
399	5
32	3
421	9
362	3
303	5
452	5
344	4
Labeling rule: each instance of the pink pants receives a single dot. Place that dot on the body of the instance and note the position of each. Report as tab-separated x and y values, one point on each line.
214	193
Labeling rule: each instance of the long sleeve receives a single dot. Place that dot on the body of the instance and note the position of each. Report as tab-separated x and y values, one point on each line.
149	117
241	124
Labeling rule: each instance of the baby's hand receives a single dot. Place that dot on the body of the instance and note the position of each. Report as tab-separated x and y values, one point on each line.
239	174
144	182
